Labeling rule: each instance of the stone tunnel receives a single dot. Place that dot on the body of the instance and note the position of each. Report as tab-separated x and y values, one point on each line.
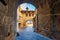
47	21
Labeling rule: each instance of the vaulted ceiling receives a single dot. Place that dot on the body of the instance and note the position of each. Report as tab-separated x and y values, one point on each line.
37	3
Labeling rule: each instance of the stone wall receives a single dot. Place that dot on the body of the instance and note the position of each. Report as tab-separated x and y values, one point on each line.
42	22
6	21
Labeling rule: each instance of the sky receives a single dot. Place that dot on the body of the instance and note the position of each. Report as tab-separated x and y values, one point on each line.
30	6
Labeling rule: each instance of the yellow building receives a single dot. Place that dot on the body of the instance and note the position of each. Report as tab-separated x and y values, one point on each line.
23	16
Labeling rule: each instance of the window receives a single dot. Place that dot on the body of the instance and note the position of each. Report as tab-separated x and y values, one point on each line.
26	14
19	24
29	14
32	14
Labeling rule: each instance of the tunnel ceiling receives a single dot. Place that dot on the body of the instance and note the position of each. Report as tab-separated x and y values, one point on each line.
38	3
34	2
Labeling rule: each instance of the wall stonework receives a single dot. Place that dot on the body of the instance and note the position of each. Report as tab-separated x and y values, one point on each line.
42	20
6	21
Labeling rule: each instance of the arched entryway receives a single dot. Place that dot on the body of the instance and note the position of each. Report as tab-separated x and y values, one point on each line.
25	12
40	14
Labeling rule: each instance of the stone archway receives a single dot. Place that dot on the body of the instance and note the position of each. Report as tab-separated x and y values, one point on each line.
23	15
43	21
42	14
42	18
18	2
